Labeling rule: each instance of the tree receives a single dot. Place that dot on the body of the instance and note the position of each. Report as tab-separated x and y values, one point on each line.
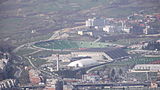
5	47
24	78
120	72
112	75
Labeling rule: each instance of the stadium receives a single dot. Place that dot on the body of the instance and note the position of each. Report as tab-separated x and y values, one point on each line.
68	45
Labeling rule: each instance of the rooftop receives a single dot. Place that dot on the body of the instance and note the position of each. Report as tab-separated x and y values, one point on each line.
112	52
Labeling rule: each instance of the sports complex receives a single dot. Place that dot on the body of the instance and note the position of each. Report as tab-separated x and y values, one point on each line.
68	45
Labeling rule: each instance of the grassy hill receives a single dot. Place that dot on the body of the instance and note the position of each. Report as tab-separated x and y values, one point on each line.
18	18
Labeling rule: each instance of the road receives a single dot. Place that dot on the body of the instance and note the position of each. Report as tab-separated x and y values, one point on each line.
56	35
32	53
98	39
18	72
30	62
113	85
53	75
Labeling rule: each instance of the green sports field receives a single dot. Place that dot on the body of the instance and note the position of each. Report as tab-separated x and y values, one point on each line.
66	44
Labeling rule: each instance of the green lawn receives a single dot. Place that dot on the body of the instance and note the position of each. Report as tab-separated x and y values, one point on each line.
65	44
38	62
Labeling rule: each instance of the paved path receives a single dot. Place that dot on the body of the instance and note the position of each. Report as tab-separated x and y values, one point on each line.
99	38
30	61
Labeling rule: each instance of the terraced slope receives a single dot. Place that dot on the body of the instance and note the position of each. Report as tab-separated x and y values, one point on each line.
18	18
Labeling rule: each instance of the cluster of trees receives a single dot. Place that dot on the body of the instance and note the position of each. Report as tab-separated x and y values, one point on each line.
155	24
152	46
24	78
137	29
10	67
116	75
5	47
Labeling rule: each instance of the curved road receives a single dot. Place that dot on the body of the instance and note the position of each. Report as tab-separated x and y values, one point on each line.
18	73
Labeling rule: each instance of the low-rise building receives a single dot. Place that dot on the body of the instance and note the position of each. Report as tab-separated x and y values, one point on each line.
109	29
127	29
90	33
95	22
112	29
93	33
91	77
146	68
53	84
149	30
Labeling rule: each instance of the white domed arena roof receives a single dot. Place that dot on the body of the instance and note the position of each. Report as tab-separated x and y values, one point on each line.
83	63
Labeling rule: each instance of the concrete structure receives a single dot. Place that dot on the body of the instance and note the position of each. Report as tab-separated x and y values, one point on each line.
95	22
83	63
112	29
158	41
101	54
146	68
58	62
53	84
127	29
79	58
90	33
149	30
109	29
146	30
67	87
8	83
158	76
91	77
154	85
94	33
3	65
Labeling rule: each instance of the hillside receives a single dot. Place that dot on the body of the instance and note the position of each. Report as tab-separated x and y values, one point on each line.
20	18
